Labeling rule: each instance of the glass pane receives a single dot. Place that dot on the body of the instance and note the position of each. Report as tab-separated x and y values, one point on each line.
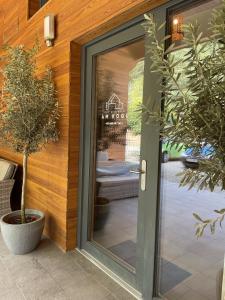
201	13
190	268
119	88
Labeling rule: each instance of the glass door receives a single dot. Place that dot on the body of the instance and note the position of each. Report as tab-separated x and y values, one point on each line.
131	203
135	219
119	77
119	180
189	268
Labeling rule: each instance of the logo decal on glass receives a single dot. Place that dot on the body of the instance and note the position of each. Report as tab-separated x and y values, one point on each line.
114	103
113	110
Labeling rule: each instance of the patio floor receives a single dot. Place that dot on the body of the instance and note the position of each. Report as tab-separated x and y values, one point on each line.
190	267
47	273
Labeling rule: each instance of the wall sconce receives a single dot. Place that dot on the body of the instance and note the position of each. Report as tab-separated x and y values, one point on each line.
177	31
49	29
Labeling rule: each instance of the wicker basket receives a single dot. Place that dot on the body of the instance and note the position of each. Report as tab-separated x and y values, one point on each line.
6	187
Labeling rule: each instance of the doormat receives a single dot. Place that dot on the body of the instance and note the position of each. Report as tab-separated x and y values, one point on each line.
171	274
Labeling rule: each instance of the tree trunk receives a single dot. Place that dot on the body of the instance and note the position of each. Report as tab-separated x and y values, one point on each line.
25	157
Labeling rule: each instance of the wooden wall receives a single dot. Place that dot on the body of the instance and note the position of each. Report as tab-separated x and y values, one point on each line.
53	173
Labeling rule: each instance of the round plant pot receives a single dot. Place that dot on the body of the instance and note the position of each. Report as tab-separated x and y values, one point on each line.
22	238
101	214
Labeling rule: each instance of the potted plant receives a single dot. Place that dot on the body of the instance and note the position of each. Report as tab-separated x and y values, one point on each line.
28	116
101	210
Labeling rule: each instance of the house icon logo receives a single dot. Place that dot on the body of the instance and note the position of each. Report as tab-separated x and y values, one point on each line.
112	111
114	103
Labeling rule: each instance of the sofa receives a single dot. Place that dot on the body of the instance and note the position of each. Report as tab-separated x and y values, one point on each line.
115	181
7	173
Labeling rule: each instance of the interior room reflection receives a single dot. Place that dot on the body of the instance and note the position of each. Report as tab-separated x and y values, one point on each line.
119	88
189	268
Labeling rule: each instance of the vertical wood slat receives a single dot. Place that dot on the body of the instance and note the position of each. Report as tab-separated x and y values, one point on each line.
74	139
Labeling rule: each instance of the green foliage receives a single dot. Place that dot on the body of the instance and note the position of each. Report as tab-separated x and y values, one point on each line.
135	97
193	89
28	107
211	223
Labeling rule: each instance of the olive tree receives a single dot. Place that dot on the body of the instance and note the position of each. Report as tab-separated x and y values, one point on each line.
28	107
193	92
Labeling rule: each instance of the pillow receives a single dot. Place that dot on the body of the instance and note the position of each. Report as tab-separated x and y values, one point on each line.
102	156
6	169
115	168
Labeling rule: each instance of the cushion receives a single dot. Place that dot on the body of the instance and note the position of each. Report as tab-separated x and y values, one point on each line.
114	168
6	169
102	156
118	180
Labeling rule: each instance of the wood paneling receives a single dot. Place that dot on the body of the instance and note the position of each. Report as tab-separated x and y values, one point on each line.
10	21
53	173
74	139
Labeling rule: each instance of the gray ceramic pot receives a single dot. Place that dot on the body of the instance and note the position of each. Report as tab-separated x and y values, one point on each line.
22	238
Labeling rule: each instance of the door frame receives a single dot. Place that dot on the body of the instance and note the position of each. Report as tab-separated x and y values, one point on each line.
147	285
122	35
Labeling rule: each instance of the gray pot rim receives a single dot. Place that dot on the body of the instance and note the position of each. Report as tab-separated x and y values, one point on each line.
38	212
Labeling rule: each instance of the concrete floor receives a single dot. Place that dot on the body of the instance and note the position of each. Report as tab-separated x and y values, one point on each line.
203	258
49	274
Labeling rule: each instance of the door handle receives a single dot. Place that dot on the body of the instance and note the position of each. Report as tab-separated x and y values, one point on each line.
138	171
142	171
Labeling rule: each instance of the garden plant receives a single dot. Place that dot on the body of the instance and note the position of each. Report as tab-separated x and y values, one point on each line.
28	107
193	93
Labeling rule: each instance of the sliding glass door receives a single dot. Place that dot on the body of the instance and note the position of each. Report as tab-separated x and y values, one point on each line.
189	268
135	219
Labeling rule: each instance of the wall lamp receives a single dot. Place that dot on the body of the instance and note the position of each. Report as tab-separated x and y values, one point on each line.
177	28
49	29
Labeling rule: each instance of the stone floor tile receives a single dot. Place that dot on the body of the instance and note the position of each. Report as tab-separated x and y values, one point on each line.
202	284
177	292
85	289
192	295
38	288
50	274
11	294
120	297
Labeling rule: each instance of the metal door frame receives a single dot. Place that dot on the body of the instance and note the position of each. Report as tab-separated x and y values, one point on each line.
149	210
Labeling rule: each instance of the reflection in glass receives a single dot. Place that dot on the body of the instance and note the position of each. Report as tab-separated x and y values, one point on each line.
119	88
201	13
190	268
